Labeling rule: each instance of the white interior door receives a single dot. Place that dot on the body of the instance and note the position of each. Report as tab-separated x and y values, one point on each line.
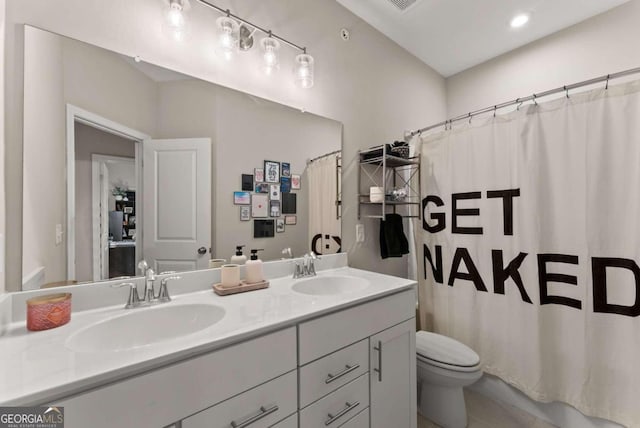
176	199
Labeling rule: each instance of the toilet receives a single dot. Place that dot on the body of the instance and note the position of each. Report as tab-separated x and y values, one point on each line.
445	366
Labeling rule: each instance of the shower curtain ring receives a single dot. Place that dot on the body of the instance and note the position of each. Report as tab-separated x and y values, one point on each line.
495	108
470	118
607	85
566	90
534	99
519	105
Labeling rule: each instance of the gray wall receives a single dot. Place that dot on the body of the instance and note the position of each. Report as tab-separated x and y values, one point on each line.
90	141
44	195
245	131
598	46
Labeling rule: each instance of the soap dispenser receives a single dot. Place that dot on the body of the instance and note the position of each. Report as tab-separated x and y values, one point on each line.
254	268
239	258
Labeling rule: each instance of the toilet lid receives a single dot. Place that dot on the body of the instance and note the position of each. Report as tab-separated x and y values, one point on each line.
445	350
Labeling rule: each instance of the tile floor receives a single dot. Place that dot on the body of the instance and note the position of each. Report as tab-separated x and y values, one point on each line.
483	412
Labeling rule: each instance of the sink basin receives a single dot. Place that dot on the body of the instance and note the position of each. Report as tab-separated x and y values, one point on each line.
145	326
327	285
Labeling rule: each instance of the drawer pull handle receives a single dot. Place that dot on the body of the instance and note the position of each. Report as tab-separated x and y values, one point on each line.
379	369
348	408
348	369
263	413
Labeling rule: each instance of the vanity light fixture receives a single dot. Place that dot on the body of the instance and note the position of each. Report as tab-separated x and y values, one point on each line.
270	47
304	70
519	20
228	31
233	33
175	19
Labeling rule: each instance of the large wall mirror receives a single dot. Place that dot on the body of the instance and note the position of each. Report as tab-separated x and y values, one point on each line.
124	160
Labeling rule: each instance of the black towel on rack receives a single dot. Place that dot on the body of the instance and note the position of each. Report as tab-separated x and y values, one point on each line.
393	242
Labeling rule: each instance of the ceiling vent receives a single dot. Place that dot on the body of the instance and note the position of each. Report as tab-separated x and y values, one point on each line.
402	5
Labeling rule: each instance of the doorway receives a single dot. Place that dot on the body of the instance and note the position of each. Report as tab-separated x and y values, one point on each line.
104	179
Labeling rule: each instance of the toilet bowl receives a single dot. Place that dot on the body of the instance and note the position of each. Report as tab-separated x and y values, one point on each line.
445	366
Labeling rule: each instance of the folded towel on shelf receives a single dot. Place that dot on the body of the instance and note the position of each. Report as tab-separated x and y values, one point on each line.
393	242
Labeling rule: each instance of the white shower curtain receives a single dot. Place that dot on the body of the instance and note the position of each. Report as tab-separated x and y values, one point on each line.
530	243
324	223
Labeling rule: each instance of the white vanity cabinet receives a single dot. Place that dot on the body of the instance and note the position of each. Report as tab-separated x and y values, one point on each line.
169	394
353	368
345	381
393	376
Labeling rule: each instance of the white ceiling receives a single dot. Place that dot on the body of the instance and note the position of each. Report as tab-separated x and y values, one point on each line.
453	35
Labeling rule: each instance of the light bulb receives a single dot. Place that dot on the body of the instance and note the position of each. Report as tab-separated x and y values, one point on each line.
270	46
175	19
304	70
228	37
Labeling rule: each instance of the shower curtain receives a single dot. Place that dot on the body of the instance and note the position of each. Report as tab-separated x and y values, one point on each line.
529	247
324	223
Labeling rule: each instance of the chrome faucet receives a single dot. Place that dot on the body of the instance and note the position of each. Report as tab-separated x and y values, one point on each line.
150	297
307	268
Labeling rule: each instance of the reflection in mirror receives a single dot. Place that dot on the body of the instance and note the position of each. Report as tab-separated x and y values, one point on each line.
125	161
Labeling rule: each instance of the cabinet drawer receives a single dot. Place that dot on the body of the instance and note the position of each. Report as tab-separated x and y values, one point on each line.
323	335
337	407
290	422
361	420
259	407
322	376
166	395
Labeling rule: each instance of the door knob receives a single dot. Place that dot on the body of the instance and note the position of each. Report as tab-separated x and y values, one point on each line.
202	250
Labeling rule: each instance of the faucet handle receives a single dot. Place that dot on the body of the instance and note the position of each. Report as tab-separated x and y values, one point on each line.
287	252
297	273
143	266
163	293
134	297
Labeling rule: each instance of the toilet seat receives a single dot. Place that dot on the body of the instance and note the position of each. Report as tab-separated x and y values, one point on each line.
445	352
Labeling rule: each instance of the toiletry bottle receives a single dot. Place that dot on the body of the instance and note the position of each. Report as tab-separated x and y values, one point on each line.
239	258
254	268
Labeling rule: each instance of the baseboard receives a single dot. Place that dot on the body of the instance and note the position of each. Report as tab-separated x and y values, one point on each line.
556	413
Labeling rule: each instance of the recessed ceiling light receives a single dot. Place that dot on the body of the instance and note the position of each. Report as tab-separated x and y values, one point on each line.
519	20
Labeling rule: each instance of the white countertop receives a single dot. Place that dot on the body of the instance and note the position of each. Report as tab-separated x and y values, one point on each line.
37	367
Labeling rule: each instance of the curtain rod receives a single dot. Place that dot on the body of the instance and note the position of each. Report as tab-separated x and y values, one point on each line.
324	156
244	21
533	97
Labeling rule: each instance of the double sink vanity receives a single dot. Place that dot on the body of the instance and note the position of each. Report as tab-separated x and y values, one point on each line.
333	350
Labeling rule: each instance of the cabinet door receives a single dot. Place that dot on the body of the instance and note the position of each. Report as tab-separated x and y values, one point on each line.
393	377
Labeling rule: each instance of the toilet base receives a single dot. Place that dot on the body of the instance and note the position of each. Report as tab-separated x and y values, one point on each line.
442	405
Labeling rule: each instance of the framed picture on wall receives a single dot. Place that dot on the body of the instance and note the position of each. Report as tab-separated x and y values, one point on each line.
274	193
290	219
274	208
258	174
247	182
262	187
285	184
286	169
245	213
279	225
272	171
260	205
242	198
295	182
